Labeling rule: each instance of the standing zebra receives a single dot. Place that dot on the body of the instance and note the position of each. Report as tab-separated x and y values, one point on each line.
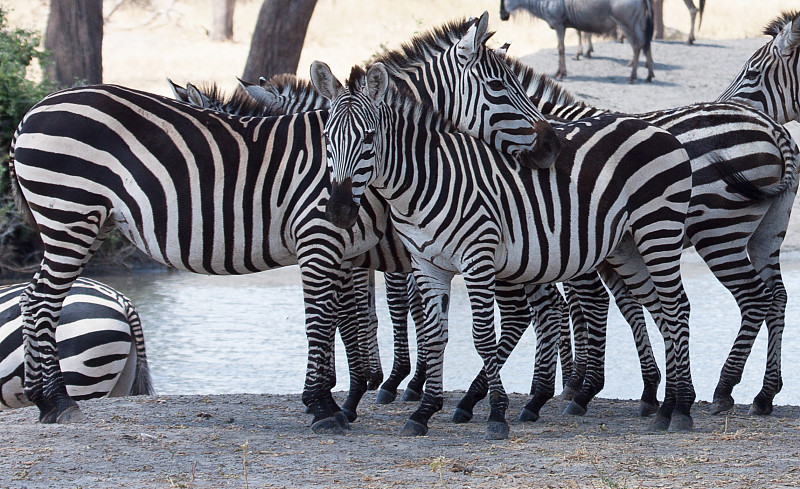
733	227
633	17
199	191
461	207
100	342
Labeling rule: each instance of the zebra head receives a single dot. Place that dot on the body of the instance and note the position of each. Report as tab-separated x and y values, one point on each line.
770	79
494	106
350	136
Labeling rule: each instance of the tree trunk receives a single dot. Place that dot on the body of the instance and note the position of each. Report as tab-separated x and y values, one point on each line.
278	38
75	38
658	19
222	21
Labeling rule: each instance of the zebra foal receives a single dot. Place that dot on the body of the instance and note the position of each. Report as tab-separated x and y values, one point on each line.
100	341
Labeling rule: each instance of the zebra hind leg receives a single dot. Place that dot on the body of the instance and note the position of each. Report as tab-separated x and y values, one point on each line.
548	305
398	304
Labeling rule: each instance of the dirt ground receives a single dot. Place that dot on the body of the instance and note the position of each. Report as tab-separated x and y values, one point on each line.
244	441
255	441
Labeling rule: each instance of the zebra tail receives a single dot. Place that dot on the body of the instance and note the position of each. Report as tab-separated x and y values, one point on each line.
19	199
702	7
142	382
749	190
649	26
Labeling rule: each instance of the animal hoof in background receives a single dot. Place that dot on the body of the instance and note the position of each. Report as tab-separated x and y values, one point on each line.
574	409
659	423
758	410
413	428
327	426
646	408
461	416
410	395
528	416
680	422
71	415
385	397
347	416
497	430
721	405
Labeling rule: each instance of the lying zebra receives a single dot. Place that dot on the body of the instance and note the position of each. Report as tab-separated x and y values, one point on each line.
100	345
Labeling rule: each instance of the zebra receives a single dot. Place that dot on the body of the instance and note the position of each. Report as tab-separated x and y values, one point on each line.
487	212
733	230
693	11
212	209
100	341
633	17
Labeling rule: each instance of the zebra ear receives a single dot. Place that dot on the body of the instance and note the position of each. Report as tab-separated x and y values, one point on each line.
195	97
788	39
502	51
324	81
261	94
179	92
377	82
476	36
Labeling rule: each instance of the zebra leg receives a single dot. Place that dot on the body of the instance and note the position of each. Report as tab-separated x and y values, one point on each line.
692	15
396	298
579	328
515	314
350	324
322	284
548	305
631	310
434	286
364	287
479	280
562	62
414	389
564	342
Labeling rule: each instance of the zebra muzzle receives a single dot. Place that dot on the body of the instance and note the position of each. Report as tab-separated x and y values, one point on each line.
548	146
342	210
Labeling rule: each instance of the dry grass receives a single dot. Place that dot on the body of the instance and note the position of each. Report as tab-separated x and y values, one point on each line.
141	54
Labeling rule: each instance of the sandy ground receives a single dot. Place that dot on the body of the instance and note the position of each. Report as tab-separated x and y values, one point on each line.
265	441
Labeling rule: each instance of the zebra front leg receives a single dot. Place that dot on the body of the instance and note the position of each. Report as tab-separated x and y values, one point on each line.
562	61
415	387
549	306
364	287
322	285
434	287
515	316
580	332
397	301
350	323
593	302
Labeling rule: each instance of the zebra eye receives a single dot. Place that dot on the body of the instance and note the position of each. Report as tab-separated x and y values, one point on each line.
752	74
369	137
496	85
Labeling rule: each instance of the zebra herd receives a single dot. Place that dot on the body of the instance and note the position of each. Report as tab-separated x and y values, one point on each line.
444	157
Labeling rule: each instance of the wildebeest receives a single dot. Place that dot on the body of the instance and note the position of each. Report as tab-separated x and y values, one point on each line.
633	17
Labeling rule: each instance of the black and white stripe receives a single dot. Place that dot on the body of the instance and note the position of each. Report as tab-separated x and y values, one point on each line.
100	343
461	207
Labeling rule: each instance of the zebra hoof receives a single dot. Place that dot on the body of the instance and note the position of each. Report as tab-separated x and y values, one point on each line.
680	422
528	416
646	409
410	395
461	416
385	397
49	417
568	393
308	410
574	409
72	414
659	423
721	405
327	426
349	415
759	410
343	419
497	430
413	428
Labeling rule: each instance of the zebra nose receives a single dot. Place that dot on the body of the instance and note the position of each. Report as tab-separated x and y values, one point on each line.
504	15
548	146
341	209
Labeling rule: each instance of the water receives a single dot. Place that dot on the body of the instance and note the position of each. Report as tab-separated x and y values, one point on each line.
214	335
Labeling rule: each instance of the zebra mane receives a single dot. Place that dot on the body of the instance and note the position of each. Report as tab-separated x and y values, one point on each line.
776	26
540	88
426	45
419	114
238	103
